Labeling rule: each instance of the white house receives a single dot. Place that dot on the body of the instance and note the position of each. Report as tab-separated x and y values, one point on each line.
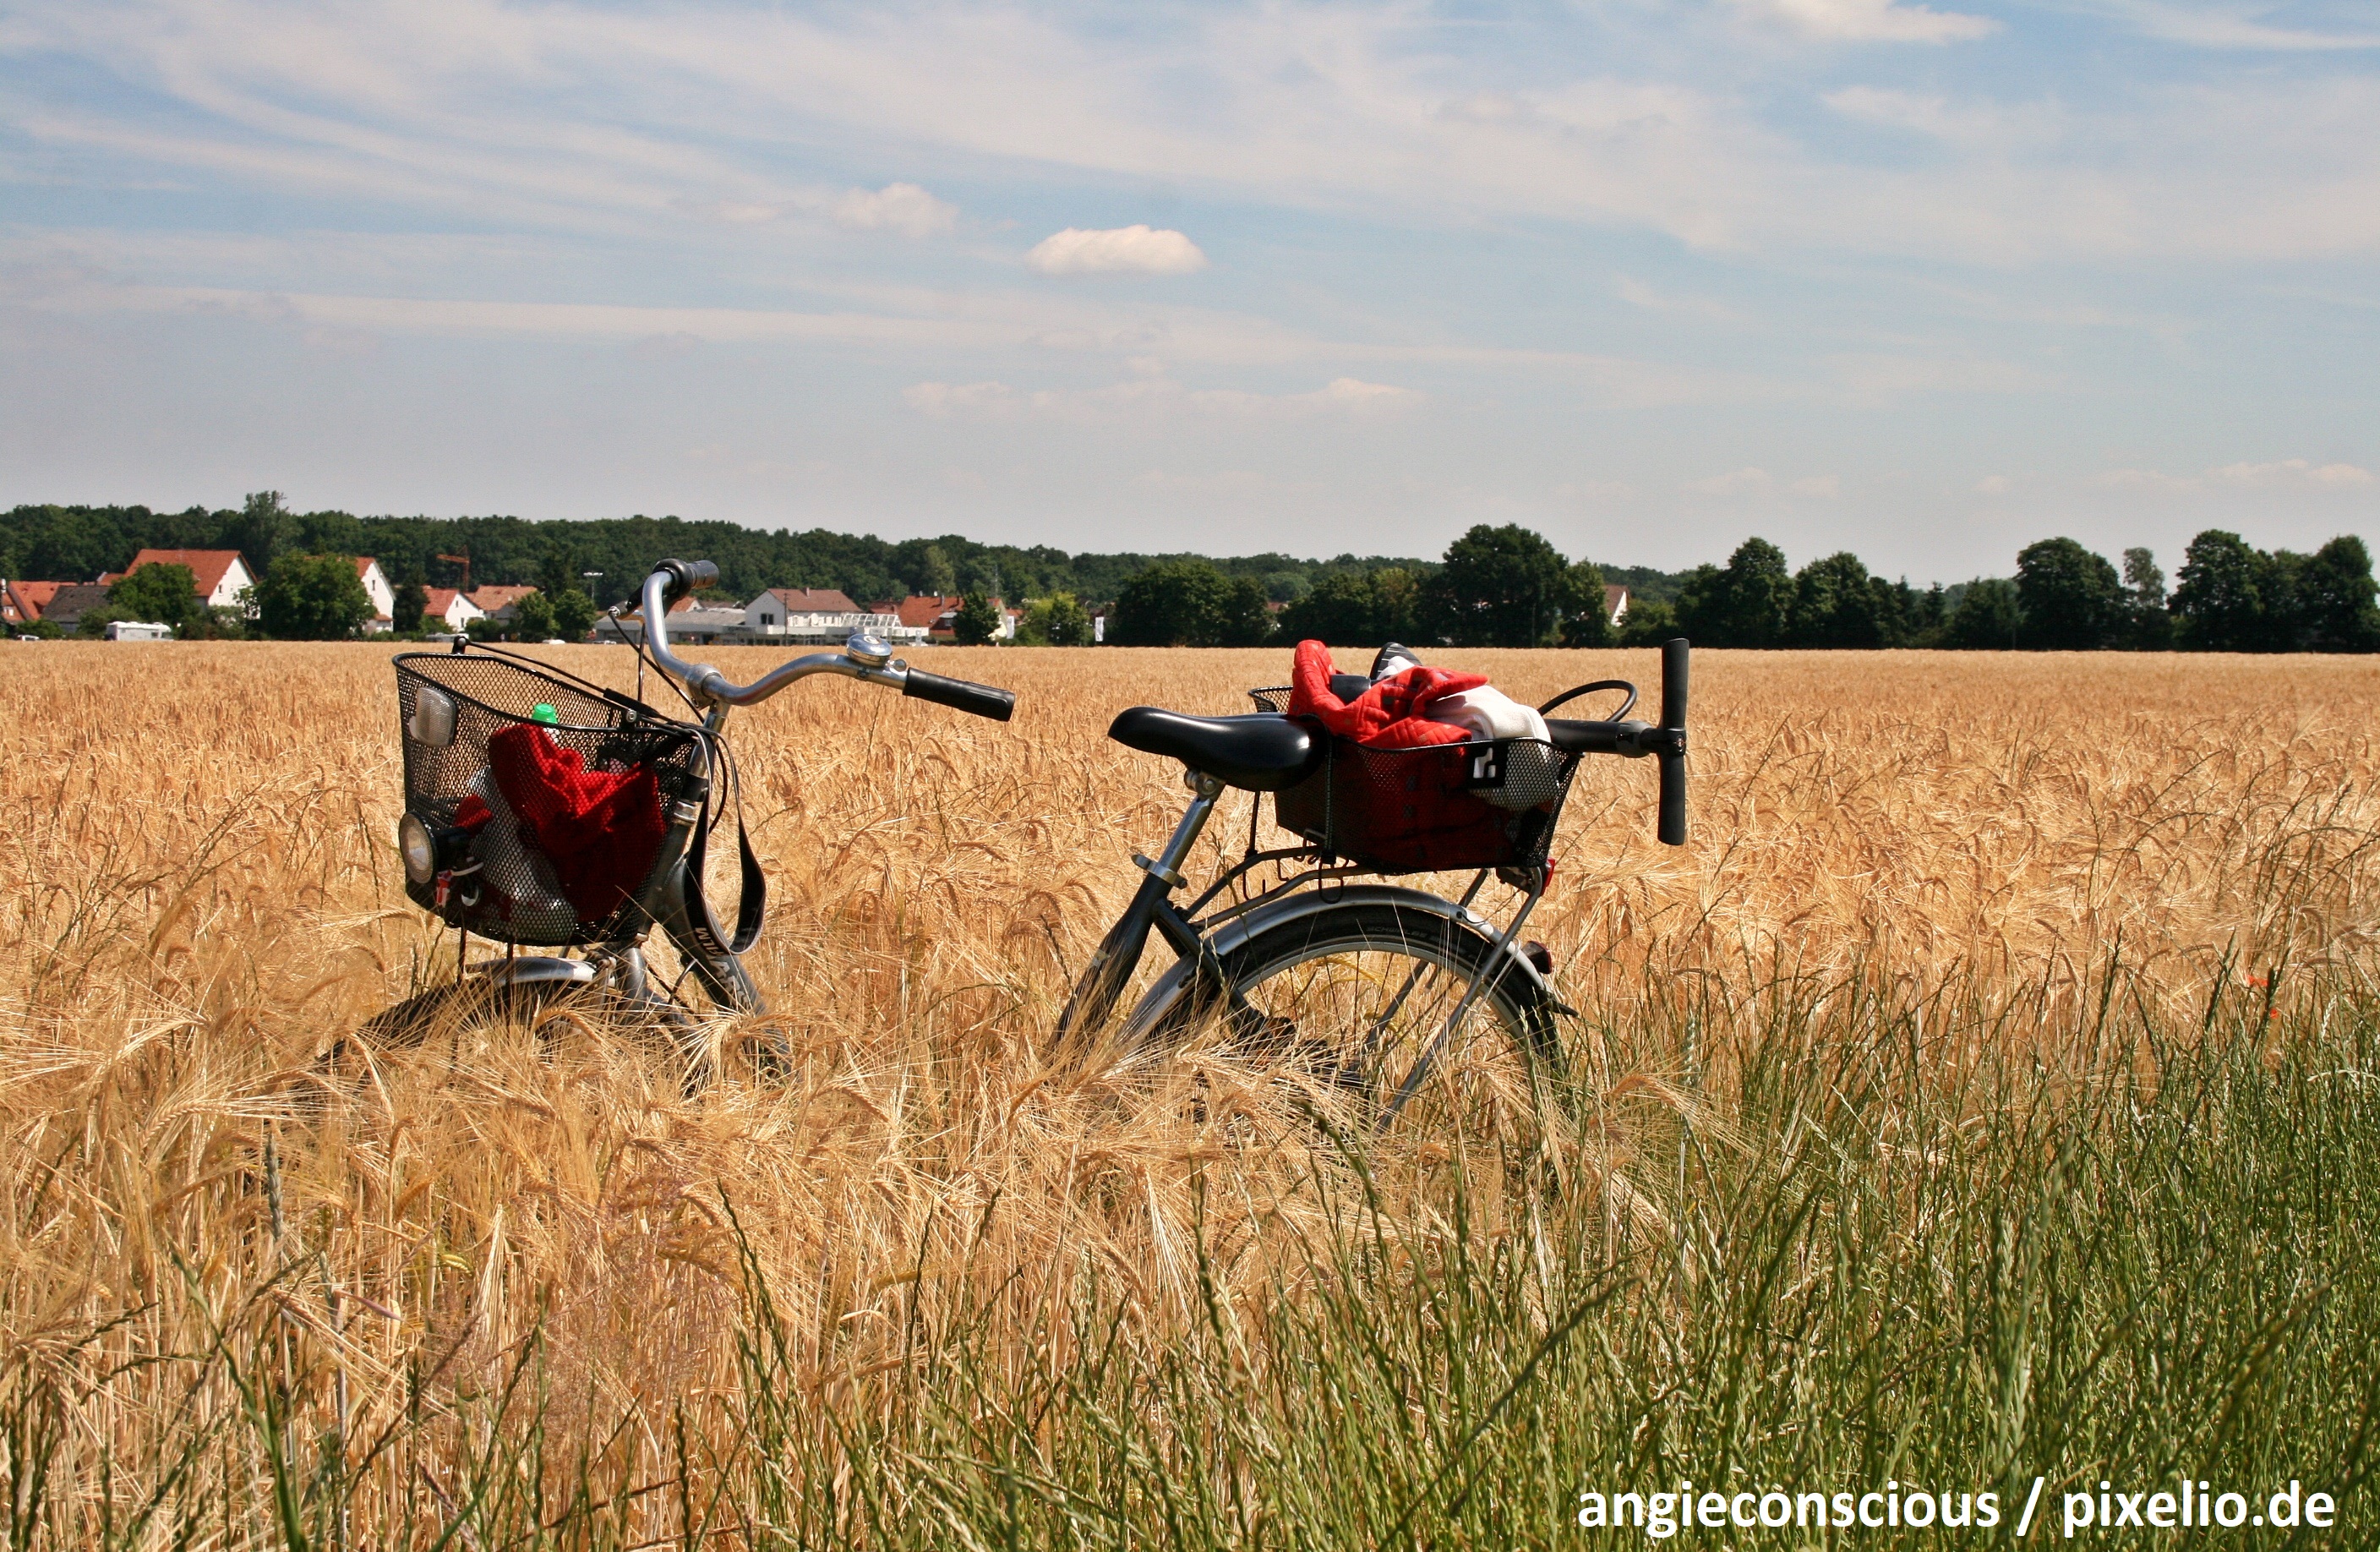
824	615
456	608
383	596
221	574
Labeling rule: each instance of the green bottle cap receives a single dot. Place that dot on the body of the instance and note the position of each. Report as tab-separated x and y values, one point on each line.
545	714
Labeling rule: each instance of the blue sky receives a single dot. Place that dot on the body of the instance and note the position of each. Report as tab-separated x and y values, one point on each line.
1926	281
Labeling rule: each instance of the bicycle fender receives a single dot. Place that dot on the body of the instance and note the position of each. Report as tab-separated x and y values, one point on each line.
1230	935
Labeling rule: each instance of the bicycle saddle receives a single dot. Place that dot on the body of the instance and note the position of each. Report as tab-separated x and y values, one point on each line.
1256	753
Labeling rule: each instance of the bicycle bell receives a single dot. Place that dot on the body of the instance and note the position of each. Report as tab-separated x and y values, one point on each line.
868	649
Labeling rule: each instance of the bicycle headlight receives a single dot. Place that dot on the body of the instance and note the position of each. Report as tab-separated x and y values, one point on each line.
421	851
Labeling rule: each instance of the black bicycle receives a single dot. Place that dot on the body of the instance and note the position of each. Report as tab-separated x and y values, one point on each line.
1366	991
544	811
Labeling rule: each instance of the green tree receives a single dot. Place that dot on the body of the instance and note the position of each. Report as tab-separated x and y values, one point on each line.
1059	620
2068	599
1248	617
1189	604
1985	620
2333	597
262	531
573	615
2148	628
533	618
935	576
412	602
2220	600
978	621
1836	604
1498	587
1586	620
1750	603
1342	610
165	595
1650	622
312	597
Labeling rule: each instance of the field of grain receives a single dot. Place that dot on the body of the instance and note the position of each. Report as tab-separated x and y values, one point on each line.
1948	928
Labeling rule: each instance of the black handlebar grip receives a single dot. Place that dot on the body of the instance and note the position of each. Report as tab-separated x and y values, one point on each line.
1676	654
981	700
684	576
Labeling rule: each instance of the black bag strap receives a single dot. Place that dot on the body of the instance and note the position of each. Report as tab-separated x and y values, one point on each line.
751	908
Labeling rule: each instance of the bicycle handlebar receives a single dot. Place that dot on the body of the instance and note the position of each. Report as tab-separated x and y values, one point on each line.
862	658
1634	740
960	694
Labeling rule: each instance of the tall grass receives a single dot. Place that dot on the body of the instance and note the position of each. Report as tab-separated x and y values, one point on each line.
1972	1104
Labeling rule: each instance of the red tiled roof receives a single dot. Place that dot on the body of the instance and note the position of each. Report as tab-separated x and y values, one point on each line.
27	599
495	596
924	609
207	566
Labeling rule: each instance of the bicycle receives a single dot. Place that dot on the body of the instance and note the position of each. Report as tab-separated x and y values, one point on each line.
544	811
1363	991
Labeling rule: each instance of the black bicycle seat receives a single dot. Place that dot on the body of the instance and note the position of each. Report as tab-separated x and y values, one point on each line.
1257	752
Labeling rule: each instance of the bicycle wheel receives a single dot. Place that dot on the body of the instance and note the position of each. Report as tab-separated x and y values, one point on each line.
478	1026
1355	1003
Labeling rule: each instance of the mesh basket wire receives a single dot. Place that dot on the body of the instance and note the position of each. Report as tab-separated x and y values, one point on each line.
515	894
1488	803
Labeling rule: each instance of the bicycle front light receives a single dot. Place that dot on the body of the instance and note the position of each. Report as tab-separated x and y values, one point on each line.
421	851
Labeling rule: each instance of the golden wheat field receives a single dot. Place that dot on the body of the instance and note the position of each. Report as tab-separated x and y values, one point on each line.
201	893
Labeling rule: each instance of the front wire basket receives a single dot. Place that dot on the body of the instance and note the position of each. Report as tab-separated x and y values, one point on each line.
1488	803
494	878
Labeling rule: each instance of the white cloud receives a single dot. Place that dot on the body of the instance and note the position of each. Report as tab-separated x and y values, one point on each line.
1827	486
1146	395
1874	21
2233	27
1995	485
1636	293
1117	250
897	207
2286	474
1741	483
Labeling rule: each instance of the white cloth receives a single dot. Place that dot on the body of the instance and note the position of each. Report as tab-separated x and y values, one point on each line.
1489	712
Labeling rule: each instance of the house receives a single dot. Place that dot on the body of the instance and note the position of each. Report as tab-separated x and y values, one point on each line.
383	596
1615	604
71	601
688	625
221	575
822	614
455	608
500	601
940	615
21	602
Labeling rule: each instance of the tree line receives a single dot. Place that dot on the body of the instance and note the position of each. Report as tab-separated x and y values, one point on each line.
1508	587
77	543
1494	585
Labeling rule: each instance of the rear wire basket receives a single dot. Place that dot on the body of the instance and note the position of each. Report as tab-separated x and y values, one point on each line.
495	880
1452	806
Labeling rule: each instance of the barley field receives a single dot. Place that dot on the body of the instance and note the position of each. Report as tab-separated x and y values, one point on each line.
1985	1093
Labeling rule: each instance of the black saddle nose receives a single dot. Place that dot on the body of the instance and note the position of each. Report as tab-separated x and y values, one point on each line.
1256	754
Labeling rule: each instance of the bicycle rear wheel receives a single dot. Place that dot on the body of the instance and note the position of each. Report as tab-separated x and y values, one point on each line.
1358	1003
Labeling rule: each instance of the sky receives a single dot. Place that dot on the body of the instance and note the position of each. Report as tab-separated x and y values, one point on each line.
1927	282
